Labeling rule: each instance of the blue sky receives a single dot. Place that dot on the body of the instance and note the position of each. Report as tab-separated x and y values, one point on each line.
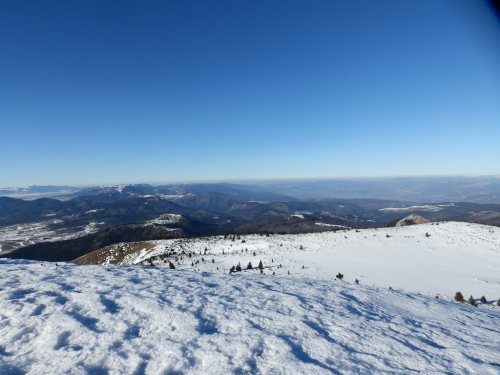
99	92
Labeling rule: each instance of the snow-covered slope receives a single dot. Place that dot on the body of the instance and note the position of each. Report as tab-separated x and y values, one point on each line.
74	319
452	257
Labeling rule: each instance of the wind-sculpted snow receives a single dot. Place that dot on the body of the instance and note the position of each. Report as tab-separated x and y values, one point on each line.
72	319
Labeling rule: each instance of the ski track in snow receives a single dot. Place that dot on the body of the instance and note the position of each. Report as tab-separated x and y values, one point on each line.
73	319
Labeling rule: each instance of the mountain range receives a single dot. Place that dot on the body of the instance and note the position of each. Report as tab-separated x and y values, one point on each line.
91	218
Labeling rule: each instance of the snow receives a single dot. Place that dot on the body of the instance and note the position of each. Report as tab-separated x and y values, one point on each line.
298	215
330	225
18	235
130	319
430	208
72	319
93	211
461	257
165	219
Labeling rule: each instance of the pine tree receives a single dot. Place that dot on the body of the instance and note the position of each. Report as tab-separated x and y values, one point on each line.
356	281
339	276
261	266
231	270
171	266
459	297
238	267
472	301
249	267
483	299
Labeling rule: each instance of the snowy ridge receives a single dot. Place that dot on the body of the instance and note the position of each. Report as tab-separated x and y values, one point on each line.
455	257
72	319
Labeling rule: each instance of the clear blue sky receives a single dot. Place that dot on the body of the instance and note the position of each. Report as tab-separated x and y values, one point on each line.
105	92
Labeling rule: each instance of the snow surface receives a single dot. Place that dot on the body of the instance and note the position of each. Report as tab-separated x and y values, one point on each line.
165	219
428	207
19	235
72	319
456	257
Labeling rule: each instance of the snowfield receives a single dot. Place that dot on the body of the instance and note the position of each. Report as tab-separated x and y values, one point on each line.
74	319
455	257
428	207
294	318
20	235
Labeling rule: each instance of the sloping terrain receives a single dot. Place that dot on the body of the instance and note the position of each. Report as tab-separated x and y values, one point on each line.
148	320
215	208
434	259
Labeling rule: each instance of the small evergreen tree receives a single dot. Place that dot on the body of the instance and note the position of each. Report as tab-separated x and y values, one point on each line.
356	281
213	260
261	266
249	267
459	297
339	276
472	301
238	267
171	265
498	302
301	247
231	270
483	299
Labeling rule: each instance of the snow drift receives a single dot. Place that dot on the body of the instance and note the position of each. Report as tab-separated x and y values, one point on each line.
76	319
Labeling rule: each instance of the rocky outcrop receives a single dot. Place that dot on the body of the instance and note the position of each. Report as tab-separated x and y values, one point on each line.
412	220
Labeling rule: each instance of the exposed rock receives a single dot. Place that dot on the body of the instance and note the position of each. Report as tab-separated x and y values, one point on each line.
412	220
